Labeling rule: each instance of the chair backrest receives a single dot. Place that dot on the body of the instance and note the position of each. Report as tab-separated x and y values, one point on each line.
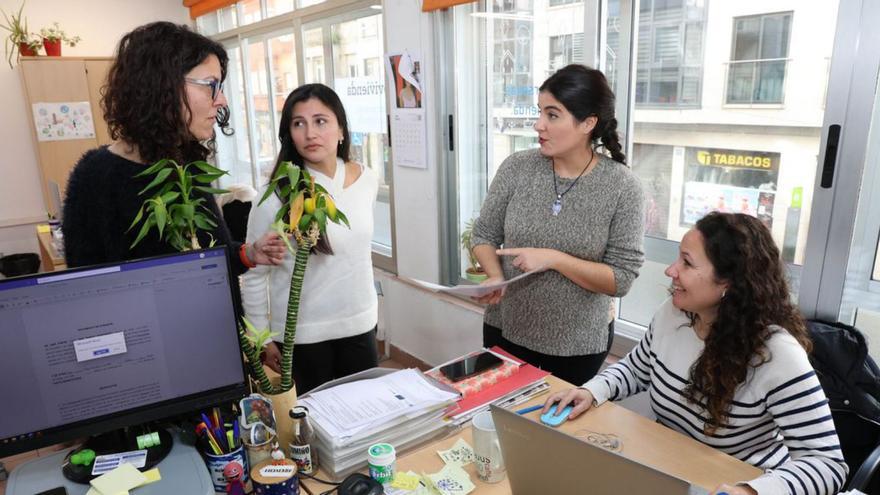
851	381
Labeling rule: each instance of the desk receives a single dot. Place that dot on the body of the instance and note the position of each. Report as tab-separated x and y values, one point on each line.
643	440
50	260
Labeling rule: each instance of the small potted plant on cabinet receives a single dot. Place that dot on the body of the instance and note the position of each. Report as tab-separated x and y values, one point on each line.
18	42
53	37
474	272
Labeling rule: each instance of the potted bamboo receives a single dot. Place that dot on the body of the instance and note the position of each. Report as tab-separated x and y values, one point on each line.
172	209
306	209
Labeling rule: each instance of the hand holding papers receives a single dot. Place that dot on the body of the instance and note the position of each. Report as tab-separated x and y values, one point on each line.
472	290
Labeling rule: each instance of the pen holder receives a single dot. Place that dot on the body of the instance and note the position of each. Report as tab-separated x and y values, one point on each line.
216	463
256	453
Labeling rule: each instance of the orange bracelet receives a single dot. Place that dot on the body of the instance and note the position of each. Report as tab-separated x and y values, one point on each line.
242	254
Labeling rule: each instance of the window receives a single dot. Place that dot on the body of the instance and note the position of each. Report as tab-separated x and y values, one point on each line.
670	52
758	59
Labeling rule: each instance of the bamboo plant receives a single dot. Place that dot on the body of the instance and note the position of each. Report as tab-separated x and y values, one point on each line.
308	207
172	209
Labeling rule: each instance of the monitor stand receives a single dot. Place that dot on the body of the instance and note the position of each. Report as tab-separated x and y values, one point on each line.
182	471
120	440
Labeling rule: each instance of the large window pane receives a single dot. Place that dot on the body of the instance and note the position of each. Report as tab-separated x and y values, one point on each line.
233	152
357	74
723	157
277	7
263	128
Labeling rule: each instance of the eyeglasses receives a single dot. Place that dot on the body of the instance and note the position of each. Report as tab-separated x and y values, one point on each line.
215	85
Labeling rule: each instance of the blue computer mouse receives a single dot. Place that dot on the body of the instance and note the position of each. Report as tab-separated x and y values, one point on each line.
552	419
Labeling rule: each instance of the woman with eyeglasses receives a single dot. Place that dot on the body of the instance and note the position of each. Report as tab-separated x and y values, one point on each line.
163	96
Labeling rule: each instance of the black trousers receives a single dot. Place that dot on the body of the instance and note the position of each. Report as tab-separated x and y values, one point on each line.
576	370
318	363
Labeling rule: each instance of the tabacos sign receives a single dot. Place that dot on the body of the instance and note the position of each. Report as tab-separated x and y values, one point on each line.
715	157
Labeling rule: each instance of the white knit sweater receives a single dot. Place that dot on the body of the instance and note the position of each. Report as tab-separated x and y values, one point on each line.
338	298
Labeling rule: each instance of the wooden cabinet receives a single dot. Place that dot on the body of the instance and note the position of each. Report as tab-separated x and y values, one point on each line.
60	80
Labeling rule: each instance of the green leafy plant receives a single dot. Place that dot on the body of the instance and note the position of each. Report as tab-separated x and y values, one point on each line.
475	272
55	33
17	28
308	207
172	209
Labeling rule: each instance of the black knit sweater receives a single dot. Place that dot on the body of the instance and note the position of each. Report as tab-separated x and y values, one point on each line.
101	202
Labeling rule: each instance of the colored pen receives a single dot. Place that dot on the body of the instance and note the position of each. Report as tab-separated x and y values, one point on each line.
230	441
235	434
208	423
221	439
527	410
218	421
201	428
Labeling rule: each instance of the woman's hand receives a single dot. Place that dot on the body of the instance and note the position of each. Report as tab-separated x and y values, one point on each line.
734	490
272	357
581	398
267	250
492	297
530	259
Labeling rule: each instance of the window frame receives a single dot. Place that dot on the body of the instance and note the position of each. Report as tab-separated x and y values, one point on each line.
758	61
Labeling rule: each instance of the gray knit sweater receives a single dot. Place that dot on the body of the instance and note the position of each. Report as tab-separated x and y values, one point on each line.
601	220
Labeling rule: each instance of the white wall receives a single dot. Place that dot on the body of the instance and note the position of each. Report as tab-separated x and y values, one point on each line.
100	24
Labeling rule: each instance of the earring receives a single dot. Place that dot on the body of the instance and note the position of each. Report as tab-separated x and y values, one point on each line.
723	293
340	142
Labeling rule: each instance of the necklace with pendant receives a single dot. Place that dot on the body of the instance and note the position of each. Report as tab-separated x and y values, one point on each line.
557	203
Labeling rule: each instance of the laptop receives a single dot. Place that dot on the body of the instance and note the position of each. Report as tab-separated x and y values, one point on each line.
540	459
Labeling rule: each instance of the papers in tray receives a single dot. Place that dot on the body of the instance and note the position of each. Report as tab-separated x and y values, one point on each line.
471	290
403	408
349	409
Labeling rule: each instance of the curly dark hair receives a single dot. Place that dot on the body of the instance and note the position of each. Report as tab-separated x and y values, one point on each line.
145	88
585	92
744	255
289	153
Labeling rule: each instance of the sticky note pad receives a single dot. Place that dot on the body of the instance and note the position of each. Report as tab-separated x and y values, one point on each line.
121	479
152	476
43	229
93	491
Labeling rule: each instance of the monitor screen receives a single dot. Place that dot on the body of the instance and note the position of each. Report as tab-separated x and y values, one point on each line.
89	350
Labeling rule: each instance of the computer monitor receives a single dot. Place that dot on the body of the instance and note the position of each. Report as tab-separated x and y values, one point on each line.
90	350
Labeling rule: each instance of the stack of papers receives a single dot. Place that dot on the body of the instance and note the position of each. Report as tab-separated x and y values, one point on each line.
403	408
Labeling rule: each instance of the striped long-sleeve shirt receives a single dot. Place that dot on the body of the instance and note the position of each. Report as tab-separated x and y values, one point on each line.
779	419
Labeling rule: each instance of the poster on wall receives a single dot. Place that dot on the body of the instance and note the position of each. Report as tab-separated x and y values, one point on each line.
63	121
732	181
364	101
408	119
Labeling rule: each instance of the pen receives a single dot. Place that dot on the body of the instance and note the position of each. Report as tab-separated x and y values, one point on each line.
527	410
235	433
230	441
201	428
208	423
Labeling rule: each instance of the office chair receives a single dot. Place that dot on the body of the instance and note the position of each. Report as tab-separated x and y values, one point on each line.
851	381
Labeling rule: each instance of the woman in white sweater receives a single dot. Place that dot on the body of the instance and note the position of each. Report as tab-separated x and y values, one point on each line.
725	362
336	331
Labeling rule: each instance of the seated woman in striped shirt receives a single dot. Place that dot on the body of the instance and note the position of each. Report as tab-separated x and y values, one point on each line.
725	362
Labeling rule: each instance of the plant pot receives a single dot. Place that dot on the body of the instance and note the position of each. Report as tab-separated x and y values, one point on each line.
53	48
19	264
26	51
475	276
281	404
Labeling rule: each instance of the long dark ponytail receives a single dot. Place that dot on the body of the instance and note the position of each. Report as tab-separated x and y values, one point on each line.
585	92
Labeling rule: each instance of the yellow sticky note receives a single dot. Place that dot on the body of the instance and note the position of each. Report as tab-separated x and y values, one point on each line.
43	229
121	479
405	481
152	476
93	491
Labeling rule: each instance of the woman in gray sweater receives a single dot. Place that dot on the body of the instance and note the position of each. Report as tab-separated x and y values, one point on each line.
575	215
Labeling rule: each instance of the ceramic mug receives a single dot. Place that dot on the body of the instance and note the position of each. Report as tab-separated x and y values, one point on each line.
487	449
